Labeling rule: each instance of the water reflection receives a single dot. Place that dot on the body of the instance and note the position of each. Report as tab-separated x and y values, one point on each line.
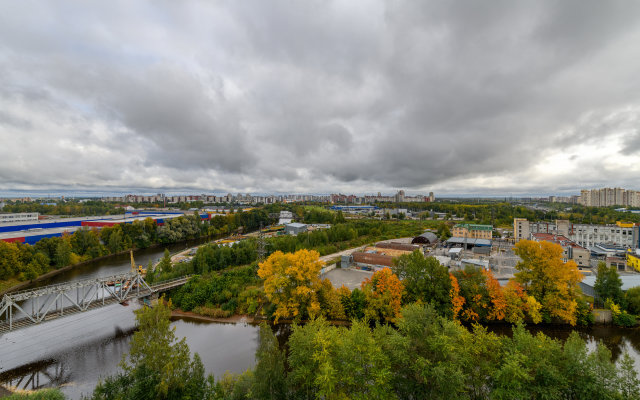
617	340
77	368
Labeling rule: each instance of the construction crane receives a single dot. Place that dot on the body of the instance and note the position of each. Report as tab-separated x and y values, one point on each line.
141	271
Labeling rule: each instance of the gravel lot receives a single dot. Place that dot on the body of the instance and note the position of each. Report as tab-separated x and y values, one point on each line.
351	278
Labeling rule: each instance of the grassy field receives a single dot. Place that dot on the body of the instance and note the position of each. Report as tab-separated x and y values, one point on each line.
4	285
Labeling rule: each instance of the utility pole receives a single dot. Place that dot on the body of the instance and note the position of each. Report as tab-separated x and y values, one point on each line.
262	251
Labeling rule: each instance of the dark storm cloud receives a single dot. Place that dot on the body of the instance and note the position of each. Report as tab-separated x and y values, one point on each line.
315	96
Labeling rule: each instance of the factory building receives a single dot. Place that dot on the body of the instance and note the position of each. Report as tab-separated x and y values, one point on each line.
31	232
586	235
295	228
475	231
7	218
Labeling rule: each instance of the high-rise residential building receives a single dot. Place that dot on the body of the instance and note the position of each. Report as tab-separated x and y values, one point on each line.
607	197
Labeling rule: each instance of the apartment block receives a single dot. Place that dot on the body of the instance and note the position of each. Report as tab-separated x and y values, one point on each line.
607	197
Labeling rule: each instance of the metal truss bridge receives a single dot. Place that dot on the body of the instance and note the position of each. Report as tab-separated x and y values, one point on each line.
30	307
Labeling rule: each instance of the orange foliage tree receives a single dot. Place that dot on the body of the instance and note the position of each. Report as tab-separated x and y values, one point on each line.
498	303
291	281
552	282
383	292
457	301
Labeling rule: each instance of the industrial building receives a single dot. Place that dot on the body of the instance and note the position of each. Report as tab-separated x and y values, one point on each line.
397	246
376	257
628	282
586	235
295	228
477	245
633	260
6	218
428	238
31	232
475	231
570	249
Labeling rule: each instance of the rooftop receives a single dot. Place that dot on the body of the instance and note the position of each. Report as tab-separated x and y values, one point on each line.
475	227
469	241
296	225
557	239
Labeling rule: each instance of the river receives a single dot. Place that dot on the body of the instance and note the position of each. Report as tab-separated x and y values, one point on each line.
75	352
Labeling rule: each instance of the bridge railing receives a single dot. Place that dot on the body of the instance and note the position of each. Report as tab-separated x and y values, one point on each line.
170	281
49	289
53	301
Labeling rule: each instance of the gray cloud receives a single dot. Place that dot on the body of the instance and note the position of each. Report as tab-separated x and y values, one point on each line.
317	96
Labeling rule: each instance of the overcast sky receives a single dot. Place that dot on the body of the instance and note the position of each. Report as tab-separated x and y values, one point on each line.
491	97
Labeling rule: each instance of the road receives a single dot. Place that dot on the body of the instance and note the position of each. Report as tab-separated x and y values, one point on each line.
347	252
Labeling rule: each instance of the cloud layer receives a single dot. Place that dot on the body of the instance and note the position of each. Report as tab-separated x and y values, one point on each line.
318	96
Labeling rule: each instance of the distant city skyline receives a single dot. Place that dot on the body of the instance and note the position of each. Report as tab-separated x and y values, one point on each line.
469	99
107	193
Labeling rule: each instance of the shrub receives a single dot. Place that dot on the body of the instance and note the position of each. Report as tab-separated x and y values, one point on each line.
212	312
625	319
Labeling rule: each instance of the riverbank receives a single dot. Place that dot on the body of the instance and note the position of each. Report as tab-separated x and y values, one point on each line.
234	319
59	271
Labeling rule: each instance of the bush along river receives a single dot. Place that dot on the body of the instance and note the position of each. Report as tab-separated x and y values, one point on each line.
75	352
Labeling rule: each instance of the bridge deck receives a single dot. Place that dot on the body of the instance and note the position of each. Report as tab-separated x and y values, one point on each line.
94	303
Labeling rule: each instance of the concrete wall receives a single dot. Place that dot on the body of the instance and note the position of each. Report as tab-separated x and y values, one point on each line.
602	316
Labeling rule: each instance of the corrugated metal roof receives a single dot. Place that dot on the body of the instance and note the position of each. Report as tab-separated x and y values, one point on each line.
296	225
469	241
397	246
628	281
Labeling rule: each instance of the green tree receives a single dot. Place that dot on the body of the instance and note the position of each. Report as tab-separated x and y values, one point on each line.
9	260
608	284
63	253
632	298
165	264
424	279
159	365
269	373
443	231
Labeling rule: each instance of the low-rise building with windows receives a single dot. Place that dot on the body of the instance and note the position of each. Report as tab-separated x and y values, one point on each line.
570	249
474	231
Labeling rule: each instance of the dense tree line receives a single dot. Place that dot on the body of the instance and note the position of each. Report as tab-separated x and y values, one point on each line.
235	291
426	356
26	262
318	215
346	235
502	214
67	207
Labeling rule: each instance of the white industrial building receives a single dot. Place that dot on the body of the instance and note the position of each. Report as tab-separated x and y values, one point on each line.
18	217
620	234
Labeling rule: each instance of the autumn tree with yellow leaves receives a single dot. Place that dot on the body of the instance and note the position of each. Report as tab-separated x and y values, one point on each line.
383	292
552	282
290	283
